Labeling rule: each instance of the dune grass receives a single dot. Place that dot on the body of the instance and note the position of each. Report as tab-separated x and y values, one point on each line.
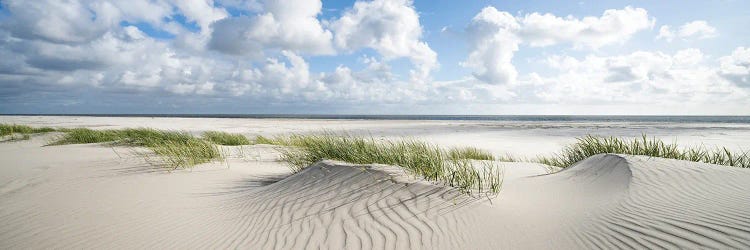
9	129
224	138
592	145
14	132
179	149
470	153
265	140
453	168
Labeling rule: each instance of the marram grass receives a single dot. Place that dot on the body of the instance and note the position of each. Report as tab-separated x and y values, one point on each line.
10	129
179	149
227	139
265	140
453	168
470	153
593	145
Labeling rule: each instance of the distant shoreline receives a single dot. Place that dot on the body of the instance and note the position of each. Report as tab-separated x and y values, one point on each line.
540	118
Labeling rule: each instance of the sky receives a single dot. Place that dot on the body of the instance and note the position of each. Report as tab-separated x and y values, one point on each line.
438	57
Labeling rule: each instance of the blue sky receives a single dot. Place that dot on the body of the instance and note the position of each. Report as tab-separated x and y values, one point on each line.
375	57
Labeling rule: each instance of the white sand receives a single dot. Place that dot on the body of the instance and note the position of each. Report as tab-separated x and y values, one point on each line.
93	196
523	139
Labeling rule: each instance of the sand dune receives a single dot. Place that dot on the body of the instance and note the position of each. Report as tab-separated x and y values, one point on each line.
92	196
606	201
619	201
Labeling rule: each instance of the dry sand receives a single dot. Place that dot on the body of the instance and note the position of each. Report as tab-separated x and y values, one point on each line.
519	138
94	196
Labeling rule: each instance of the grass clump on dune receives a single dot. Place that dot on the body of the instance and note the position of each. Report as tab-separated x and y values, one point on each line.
593	145
470	153
8	129
265	140
13	132
428	161
227	139
179	149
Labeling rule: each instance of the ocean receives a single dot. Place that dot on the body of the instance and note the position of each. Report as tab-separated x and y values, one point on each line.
520	118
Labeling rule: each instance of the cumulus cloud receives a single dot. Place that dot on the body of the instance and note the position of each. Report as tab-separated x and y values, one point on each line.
58	54
698	29
296	29
391	27
493	40
614	26
84	21
202	12
97	45
638	77
736	67
496	35
60	22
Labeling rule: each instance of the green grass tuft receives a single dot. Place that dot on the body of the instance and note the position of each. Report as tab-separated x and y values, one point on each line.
265	140
8	129
593	145
419	158
179	149
470	153
227	139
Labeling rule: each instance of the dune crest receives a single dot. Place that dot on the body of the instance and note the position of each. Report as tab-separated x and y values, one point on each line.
338	206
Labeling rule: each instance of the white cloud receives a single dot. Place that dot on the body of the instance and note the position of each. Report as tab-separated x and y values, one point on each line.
296	29
496	35
60	22
698	29
82	21
186	88
493	41
391	27
202	12
666	33
126	60
95	46
84	50
287	80
614	26
638	77
736	67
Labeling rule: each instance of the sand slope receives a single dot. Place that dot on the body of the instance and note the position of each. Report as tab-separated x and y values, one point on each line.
91	196
619	201
606	201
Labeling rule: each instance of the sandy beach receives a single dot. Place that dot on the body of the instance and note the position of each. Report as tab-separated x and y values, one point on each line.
519	138
103	196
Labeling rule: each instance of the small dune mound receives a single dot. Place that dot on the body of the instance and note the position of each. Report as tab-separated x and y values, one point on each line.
676	204
341	206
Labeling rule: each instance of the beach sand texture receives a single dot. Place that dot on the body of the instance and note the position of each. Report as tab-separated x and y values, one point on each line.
96	196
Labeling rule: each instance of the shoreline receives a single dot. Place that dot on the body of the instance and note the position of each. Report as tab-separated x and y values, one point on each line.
731	119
